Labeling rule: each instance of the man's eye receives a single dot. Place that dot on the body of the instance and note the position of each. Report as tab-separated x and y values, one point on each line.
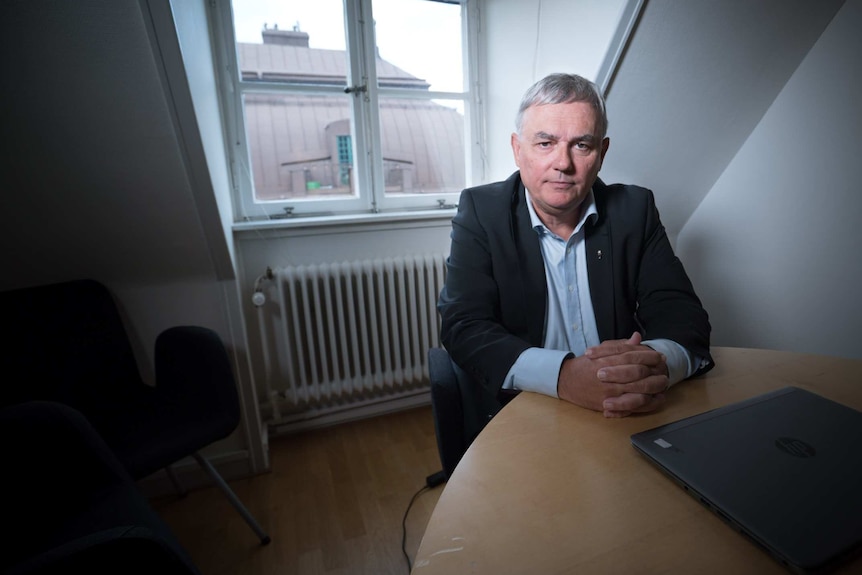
544	144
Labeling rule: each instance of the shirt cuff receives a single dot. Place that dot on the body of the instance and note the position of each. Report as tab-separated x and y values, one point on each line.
536	369
680	362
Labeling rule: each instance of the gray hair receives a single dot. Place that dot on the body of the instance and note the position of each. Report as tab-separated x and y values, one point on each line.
564	89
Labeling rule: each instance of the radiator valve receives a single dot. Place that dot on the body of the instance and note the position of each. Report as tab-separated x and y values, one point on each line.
258	298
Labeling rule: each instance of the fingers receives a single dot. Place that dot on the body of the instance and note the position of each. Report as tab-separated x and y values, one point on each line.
627	381
640	396
636	375
622	352
629	403
614	346
630	367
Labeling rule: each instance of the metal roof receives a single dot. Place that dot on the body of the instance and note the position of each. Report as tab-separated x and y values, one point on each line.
293	139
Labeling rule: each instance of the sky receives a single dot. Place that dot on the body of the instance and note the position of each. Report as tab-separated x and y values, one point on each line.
408	32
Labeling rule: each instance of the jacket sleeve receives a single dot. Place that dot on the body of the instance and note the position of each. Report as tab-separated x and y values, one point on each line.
473	326
665	301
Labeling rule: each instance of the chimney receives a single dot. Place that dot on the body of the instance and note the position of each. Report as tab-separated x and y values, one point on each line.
293	37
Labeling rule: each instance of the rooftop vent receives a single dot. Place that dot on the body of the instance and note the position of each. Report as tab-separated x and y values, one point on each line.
294	37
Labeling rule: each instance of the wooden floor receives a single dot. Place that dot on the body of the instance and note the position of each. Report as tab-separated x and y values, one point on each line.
333	503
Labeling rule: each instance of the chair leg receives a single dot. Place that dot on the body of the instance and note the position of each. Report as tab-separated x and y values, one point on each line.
181	491
252	522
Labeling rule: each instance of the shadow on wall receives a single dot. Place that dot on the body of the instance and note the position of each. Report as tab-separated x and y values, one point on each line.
730	323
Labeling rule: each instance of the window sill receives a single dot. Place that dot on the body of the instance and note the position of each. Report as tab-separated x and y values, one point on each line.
321	223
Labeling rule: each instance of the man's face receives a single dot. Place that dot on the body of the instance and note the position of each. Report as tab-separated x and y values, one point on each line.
559	154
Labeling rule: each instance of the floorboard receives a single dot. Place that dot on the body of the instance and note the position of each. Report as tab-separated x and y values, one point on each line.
333	503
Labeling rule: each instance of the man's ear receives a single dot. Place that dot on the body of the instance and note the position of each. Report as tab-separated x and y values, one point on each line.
516	148
606	142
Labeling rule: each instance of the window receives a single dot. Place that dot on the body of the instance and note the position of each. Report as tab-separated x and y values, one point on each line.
348	106
345	159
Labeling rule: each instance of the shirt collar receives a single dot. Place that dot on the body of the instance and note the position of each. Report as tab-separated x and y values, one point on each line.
590	213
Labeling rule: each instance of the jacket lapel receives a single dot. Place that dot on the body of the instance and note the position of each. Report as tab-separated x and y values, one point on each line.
600	266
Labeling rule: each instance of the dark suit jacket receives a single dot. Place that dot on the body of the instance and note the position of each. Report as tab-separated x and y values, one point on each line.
493	304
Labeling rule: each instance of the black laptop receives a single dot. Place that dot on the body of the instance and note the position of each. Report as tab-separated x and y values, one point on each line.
783	468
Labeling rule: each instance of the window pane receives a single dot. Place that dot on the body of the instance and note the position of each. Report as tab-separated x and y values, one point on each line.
419	39
317	24
423	145
300	146
291	41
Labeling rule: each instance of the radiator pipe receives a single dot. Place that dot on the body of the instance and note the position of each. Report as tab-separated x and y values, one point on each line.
258	298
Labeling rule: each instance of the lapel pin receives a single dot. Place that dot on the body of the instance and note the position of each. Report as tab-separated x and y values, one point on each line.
599	254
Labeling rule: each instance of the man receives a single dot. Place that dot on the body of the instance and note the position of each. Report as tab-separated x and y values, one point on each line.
560	284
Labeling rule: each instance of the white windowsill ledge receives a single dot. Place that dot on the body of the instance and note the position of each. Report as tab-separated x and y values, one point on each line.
299	222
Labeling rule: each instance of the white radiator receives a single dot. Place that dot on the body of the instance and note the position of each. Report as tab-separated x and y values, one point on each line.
348	335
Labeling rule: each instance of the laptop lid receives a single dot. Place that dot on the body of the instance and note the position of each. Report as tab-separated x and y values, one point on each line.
783	468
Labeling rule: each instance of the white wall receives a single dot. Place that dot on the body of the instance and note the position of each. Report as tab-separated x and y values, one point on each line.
773	248
524	41
198	69
694	82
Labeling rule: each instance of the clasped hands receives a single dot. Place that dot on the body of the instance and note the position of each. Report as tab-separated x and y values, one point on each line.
617	377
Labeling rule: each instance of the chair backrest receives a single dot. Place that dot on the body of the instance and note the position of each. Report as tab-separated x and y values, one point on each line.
63	340
457	420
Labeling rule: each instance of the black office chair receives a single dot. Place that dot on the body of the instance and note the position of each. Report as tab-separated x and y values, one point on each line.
457	420
68	344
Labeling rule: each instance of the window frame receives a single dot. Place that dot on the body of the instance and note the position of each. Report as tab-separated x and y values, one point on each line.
365	125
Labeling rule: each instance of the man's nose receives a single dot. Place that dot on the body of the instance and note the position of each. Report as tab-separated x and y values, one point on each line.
563	160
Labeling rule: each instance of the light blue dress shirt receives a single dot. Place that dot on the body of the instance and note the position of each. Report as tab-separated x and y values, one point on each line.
570	322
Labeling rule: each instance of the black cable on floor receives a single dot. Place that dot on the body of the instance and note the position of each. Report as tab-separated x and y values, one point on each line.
430	482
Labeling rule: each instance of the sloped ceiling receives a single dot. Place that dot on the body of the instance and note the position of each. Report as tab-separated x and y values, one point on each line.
92	175
695	80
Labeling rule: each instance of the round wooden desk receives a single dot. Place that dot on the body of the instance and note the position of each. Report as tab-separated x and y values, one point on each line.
549	487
